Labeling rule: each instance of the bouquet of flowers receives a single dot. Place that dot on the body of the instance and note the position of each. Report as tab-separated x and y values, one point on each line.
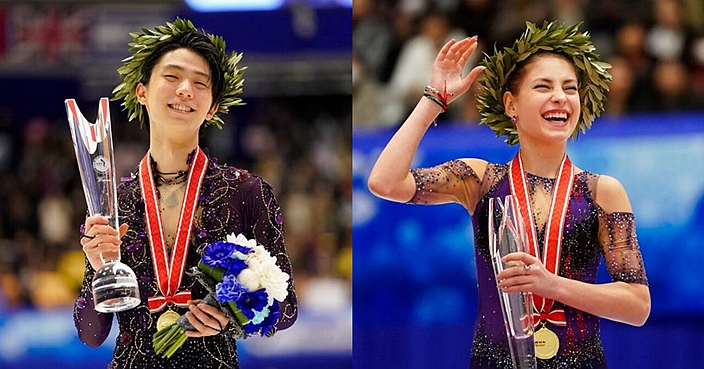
247	283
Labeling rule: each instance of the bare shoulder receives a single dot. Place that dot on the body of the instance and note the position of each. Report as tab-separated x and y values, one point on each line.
477	165
611	195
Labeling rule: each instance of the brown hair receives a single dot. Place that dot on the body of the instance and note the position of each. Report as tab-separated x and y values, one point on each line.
516	77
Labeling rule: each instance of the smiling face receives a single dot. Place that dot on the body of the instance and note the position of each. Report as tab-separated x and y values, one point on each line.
178	96
546	100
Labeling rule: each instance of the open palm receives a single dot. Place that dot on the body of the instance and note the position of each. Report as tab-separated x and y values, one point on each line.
448	67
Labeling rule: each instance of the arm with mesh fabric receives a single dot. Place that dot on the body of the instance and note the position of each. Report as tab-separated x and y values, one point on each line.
453	181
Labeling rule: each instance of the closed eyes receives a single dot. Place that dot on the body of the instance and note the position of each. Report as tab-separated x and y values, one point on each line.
547	87
199	84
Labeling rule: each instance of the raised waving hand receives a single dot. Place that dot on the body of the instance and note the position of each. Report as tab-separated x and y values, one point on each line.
390	178
449	64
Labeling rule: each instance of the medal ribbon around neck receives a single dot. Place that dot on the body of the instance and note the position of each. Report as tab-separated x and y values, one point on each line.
553	236
168	276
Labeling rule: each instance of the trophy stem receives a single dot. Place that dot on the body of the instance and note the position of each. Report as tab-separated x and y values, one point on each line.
507	235
523	352
111	257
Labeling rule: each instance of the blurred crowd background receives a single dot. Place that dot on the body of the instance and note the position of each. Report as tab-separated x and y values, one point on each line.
656	48
294	132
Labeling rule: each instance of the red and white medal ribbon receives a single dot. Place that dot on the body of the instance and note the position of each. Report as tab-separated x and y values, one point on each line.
553	234
169	271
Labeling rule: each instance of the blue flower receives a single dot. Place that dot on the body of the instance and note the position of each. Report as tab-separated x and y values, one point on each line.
250	328
230	289
266	325
260	315
235	266
271	319
252	301
240	252
217	255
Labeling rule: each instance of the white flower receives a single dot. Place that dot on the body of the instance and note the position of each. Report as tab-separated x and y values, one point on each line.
261	253
240	239
264	273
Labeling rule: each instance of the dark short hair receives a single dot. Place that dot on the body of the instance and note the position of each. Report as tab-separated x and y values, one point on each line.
199	43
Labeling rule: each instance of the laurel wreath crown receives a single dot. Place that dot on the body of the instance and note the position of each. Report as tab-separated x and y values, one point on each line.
593	76
149	40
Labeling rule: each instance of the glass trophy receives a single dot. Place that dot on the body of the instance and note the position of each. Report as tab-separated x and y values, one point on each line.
114	284
507	234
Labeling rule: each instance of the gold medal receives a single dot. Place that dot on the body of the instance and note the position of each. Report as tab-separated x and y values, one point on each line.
546	343
166	319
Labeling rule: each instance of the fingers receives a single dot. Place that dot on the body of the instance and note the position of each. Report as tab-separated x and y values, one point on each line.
123	229
95	220
464	50
467	50
523	257
202	317
98	254
220	318
472	76
517	274
100	234
521	264
96	227
514	271
516	284
445	49
97	248
101	241
449	64
474	73
101	229
458	52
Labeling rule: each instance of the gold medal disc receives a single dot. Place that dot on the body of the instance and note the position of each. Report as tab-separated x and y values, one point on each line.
166	319
546	343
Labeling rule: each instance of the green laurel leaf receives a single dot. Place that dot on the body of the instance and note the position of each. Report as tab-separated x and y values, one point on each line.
149	40
593	84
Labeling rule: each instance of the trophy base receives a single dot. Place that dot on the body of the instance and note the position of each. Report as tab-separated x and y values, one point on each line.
115	288
116	299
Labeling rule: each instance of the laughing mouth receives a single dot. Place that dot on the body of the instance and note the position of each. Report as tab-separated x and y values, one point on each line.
181	108
556	117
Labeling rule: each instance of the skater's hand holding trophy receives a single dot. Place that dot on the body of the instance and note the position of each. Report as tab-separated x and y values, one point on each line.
507	234
114	284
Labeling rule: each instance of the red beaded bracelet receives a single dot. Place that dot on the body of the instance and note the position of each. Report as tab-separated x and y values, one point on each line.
437	101
442	99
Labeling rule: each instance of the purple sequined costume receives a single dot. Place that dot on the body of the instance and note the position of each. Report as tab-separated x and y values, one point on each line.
231	201
590	234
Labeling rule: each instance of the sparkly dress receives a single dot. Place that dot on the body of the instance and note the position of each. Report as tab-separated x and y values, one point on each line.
231	201
590	234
